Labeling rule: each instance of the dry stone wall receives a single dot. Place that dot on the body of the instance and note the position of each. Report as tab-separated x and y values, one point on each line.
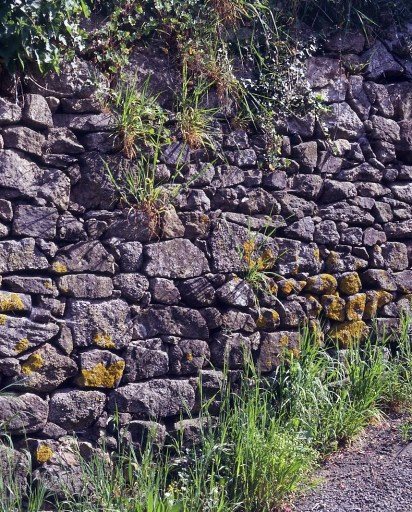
97	315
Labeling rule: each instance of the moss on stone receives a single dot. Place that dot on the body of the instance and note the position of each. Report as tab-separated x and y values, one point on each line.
321	284
355	306
22	345
334	307
350	283
347	333
44	453
102	376
11	302
32	364
103	340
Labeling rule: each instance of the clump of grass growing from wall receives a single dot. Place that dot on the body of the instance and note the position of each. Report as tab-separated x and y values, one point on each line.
269	434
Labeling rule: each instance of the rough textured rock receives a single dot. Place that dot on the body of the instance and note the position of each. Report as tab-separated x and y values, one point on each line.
23	414
100	369
145	359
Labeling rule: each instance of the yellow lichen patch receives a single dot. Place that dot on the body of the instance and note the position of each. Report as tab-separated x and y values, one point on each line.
102	376
350	283
189	356
315	305
375	299
268	319
321	284
287	286
355	306
347	333
32	364
48	285
3	319
44	453
22	345
11	302
284	340
103	340
59	267
334	307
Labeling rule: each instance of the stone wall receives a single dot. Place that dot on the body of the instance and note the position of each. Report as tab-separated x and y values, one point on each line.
97	313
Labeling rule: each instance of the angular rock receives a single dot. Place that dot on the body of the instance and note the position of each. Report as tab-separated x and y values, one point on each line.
145	359
105	324
83	257
177	258
399	230
188	356
11	302
232	349
45	369
326	233
350	283
62	141
380	63
197	292
170	321
100	369
306	154
23	414
333	307
85	286
236	292
308	186
164	291
321	284
404	281
21	255
10	113
131	256
132	286
342	122
33	285
273	345
35	221
302	229
381	279
36	111
334	191
343	212
355	306
155	399
75	410
23	138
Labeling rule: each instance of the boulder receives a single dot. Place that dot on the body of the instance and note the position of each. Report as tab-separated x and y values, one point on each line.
35	221
83	257
100	369
145	359
23	414
36	111
85	286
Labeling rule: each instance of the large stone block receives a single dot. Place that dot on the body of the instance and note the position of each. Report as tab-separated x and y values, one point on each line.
23	414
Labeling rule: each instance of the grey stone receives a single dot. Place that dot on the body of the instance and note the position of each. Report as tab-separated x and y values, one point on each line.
276	180
228	176
337	190
6	210
236	292
306	154
197	292
233	349
35	221
383	129
131	256
378	95
36	111
302	229
23	414
88	286
45	369
399	230
156	398
23	138
100	369
22	254
308	186
258	201
15	468
83	257
404	281
188	356
62	141
395	256
70	229
372	236
9	112
291	315
75	410
295	257
132	286
236	140
164	291
242	157
105	324
81	105
301	125
85	122
145	359
380	63
342	122
326	233
173	321
143	432
133	226
363	172
176	153
403	192
381	279
21	334
343	212
172	226
104	142
177	258
235	320
272	346
293	208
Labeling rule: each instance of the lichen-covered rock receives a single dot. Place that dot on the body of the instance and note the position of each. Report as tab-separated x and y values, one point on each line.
85	286
104	324
35	221
145	359
232	349
355	306
11	302
100	369
375	299
321	284
342	121
188	356
83	257
350	283
23	414
18	334
173	321
177	258
155	398
347	333
130	256
45	369
380	63
14	468
333	307
22	254
75	410
272	346
382	279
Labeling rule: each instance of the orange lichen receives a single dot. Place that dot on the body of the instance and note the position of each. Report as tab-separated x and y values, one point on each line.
321	284
32	364
103	340
347	333
334	307
355	306
59	267
44	453
102	376
350	283
3	319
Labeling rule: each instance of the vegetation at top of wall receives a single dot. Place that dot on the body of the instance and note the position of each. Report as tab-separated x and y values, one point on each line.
269	434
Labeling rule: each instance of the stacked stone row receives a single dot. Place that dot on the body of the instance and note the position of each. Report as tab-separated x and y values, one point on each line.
102	313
